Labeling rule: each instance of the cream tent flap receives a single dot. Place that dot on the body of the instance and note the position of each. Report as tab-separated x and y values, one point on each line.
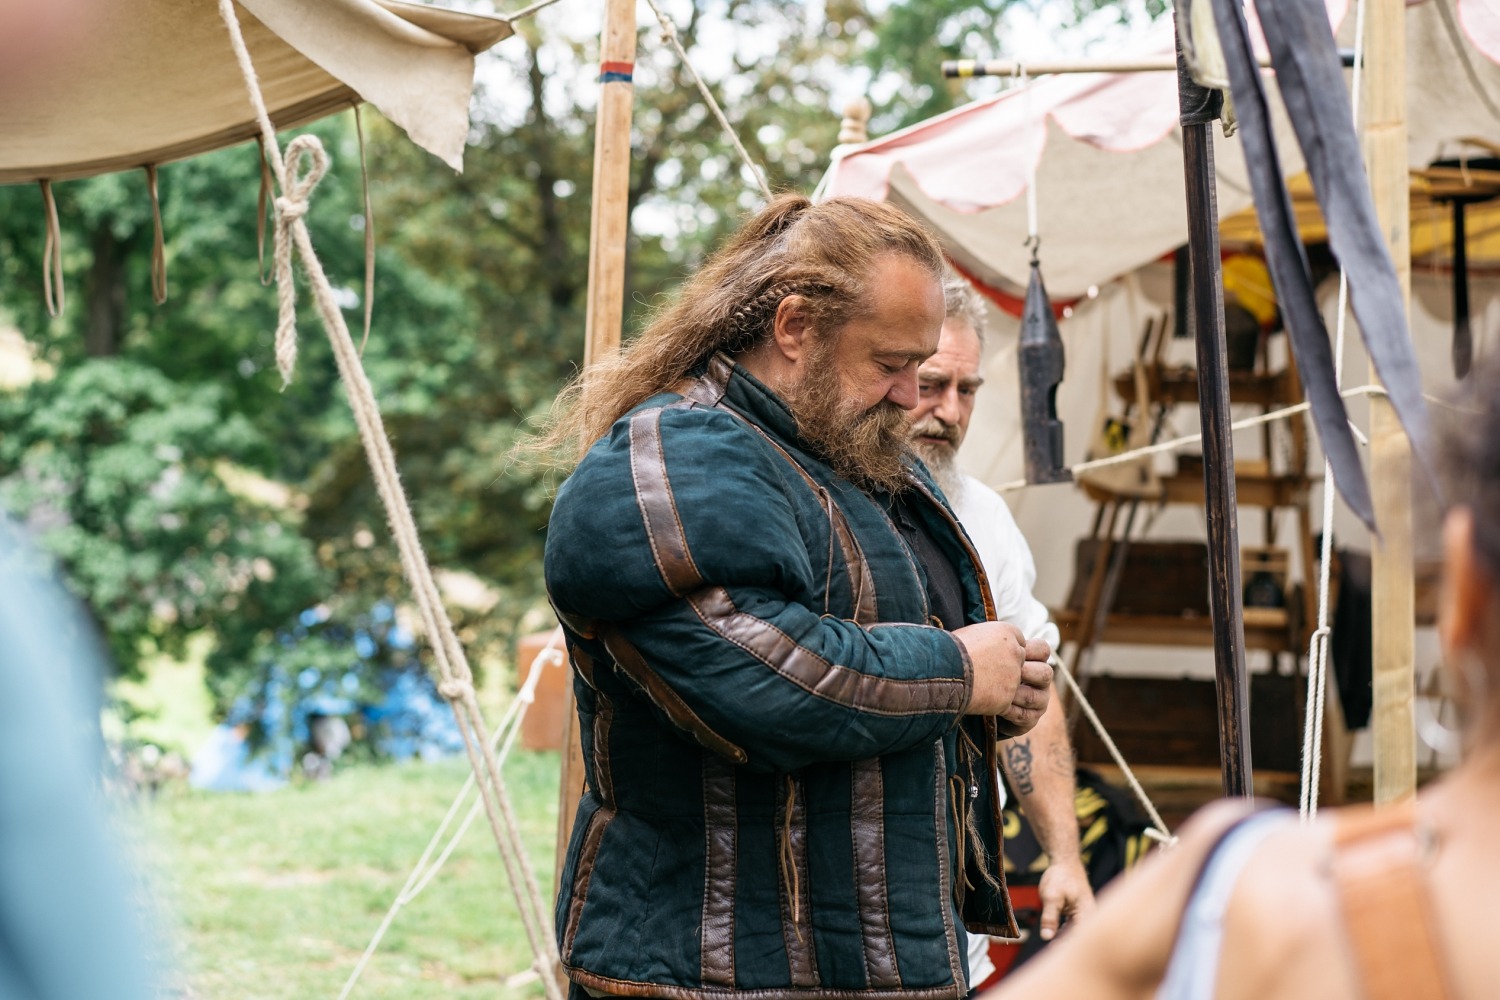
153	81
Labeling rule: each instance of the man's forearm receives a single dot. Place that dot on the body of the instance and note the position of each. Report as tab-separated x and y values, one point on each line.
1040	768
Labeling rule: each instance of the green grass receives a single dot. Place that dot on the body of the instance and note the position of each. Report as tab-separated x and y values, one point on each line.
275	896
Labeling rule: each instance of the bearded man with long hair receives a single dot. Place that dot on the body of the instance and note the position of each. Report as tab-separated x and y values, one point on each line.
789	687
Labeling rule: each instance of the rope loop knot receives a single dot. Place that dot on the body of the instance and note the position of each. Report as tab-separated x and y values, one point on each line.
306	163
455	689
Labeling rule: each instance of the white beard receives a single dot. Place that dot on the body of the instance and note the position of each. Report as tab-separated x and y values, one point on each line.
944	468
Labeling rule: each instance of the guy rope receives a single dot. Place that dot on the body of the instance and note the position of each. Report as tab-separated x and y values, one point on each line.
297	175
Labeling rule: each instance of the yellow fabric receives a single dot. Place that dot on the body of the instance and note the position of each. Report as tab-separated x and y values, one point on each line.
151	81
1249	283
1431	225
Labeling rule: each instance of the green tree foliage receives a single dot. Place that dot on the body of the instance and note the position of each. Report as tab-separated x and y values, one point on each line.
122	474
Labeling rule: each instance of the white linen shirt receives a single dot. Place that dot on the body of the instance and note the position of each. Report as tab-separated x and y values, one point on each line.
1007	562
1006	559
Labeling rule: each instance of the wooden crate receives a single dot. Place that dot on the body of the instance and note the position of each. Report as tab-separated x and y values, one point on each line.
1158	578
1174	721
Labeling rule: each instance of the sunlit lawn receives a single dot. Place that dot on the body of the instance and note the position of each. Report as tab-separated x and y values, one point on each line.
276	895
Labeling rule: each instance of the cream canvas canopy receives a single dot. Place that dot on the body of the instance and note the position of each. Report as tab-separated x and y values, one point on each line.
151	81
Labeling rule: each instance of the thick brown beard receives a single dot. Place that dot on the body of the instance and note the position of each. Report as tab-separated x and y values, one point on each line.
866	447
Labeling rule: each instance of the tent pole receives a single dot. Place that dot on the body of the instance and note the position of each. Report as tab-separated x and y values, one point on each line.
1199	109
963	69
1393	601
608	230
611	197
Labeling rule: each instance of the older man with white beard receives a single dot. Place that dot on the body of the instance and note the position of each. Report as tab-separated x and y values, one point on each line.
1040	764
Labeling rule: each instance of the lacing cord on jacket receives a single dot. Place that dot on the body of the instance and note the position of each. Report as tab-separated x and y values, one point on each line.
967	794
958	797
789	875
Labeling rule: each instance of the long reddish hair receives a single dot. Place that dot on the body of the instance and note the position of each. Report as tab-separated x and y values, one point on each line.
824	253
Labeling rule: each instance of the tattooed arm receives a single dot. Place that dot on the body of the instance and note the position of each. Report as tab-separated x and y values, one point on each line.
1040	768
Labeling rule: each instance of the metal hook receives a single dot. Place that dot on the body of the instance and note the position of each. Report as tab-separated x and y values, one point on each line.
1034	242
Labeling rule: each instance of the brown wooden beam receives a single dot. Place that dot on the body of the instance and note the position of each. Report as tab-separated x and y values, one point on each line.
1225	599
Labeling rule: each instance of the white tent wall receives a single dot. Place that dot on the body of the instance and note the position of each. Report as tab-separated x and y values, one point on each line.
1100	338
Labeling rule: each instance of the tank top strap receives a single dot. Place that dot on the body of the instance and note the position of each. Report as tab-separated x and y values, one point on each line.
1192	970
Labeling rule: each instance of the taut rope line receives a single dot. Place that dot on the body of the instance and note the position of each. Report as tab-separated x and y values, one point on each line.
669	35
1158	831
423	873
1317	649
1161	447
457	683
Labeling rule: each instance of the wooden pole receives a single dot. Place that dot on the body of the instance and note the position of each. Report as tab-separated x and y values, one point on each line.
606	293
1199	109
1225	598
963	69
611	200
1393	603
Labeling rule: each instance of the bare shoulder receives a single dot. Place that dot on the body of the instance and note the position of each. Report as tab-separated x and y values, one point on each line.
1281	931
1121	951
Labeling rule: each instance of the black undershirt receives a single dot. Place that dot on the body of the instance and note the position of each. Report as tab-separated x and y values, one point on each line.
945	594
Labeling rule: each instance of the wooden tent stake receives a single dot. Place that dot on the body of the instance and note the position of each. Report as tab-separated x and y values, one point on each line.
1394	604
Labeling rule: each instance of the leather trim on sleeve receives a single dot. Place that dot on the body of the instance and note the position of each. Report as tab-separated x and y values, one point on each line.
630	661
841	685
653	493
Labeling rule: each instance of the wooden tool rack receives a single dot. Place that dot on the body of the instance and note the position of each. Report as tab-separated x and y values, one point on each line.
1169	722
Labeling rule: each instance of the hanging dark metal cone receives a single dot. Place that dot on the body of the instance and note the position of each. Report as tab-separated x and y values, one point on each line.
1041	364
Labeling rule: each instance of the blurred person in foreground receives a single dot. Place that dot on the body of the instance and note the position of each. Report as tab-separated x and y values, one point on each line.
1398	902
790	687
68	930
33	36
1040	763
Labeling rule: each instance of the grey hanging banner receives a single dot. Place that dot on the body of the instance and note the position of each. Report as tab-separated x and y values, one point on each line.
1286	258
1311	77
